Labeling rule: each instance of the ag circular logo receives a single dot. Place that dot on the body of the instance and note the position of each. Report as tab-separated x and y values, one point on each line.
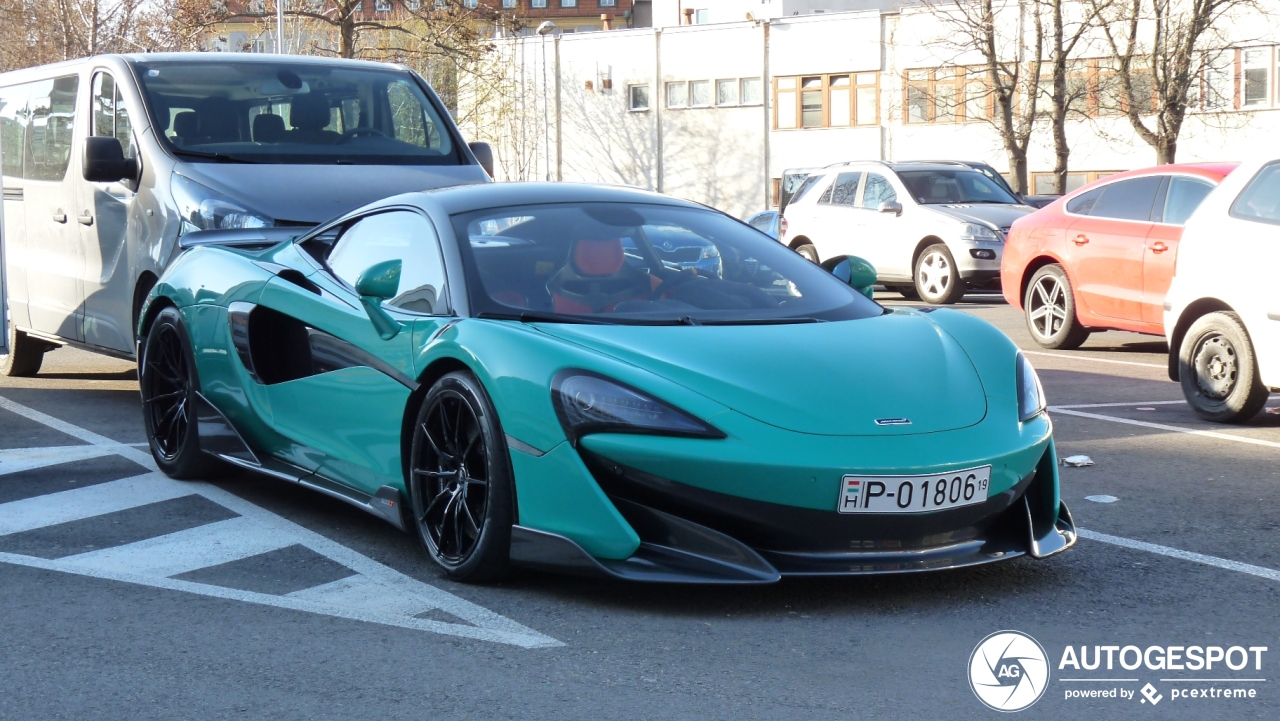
1008	671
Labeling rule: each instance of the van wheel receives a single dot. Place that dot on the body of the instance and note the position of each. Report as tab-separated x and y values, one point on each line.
1219	371
1050	310
938	280
25	354
808	252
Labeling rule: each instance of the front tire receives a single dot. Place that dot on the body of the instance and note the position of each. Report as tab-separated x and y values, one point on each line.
460	486
25	355
1050	310
168	380
937	279
1219	370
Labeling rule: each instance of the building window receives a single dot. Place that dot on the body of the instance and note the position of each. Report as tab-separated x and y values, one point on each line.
1042	183
727	92
700	93
470	4
508	4
677	95
568	3
257	6
750	91
537	3
382	6
701	17
637	97
1255	72
821	101
947	95
608	3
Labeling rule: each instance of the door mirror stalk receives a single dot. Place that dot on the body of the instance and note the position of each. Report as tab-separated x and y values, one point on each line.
377	283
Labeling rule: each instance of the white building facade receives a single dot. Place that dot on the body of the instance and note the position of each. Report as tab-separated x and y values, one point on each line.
715	112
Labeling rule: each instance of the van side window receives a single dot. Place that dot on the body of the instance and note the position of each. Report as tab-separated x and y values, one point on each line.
51	114
13	127
110	117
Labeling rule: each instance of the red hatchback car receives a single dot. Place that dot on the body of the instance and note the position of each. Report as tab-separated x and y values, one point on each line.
1102	257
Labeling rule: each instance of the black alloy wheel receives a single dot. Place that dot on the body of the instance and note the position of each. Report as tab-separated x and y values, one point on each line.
168	383
460	481
1219	371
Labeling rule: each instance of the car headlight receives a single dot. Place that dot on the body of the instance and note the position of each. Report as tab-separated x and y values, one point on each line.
589	403
973	231
203	208
1031	402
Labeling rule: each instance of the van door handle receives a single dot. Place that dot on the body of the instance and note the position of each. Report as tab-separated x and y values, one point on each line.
1080	240
59	217
85	219
1158	247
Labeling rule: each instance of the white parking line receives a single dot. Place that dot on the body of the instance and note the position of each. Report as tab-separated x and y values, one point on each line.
381	595
1069	356
16	460
1259	571
1165	427
1121	405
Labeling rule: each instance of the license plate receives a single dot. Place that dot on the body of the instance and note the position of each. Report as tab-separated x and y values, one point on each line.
914	494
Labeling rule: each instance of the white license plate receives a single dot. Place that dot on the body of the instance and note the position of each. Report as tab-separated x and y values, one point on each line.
914	494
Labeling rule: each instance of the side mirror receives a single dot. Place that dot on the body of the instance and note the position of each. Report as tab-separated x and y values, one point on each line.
484	156
853	270
104	161
890	206
377	283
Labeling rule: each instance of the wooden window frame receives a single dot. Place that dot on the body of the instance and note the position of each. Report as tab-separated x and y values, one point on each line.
825	91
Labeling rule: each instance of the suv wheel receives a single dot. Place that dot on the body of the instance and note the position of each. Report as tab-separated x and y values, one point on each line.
808	252
1050	310
1219	371
938	280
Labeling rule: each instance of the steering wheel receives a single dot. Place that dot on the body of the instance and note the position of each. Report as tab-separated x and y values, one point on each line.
357	132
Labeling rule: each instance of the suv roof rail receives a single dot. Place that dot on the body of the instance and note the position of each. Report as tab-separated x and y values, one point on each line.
847	162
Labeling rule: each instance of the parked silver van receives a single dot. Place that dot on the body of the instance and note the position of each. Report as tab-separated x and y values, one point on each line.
107	161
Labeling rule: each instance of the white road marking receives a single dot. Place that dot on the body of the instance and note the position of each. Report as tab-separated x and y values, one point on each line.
1229	565
378	594
1122	405
1166	427
16	460
1101	499
1069	356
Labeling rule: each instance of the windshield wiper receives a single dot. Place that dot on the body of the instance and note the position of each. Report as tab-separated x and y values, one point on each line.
220	157
540	317
762	321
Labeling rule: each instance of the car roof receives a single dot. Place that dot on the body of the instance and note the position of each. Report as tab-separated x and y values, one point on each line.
250	58
465	198
897	166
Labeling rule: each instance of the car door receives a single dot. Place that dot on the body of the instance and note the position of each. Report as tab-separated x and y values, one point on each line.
1107	246
107	282
1251	235
53	258
882	242
1177	200
351	415
13	124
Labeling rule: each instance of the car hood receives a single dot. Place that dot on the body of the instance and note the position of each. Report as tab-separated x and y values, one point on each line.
316	193
1000	216
834	378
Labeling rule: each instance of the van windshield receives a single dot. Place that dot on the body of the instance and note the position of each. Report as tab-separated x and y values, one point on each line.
304	113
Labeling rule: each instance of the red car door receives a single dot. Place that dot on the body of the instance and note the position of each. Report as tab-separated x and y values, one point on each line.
1106	248
1181	198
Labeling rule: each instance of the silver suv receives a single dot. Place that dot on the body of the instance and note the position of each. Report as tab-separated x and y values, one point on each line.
930	230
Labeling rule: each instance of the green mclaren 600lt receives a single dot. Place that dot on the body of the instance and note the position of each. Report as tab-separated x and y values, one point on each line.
600	381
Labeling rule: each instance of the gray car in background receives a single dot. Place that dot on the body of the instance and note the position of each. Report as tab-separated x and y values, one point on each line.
107	161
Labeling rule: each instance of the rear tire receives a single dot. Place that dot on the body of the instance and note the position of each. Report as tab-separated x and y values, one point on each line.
1219	371
168	380
1050	310
460	487
25	355
808	252
937	278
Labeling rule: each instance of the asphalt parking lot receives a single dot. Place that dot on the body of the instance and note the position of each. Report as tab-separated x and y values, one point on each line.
128	595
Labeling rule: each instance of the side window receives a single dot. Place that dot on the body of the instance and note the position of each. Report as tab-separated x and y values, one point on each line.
398	234
1083	204
13	128
877	191
1260	199
1183	197
51	114
1128	199
407	120
845	189
826	196
110	118
805	187
761	222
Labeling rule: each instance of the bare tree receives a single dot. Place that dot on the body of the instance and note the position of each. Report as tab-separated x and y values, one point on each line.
1012	56
34	32
1065	35
1161	50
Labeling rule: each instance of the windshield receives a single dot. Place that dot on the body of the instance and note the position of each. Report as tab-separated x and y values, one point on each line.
305	113
607	262
938	187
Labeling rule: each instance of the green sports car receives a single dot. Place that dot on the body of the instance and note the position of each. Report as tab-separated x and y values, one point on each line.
519	375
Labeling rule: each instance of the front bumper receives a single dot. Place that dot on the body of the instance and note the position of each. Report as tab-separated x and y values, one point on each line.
695	535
